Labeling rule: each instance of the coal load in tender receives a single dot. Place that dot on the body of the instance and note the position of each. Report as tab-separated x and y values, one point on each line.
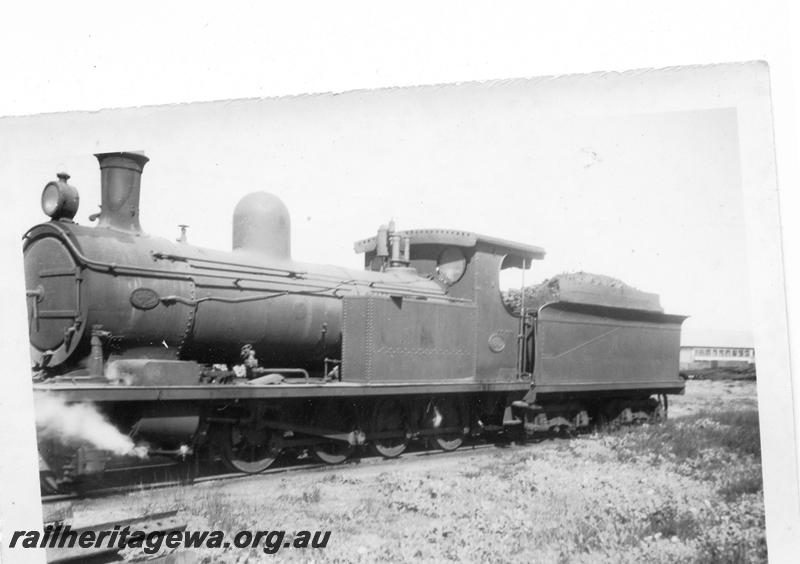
582	287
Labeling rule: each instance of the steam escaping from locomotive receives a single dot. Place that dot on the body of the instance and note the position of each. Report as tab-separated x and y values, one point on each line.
81	422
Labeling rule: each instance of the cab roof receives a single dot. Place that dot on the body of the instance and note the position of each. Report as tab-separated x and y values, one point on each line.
452	237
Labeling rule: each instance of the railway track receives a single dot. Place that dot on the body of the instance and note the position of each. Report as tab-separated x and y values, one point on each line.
189	472
56	506
163	522
287	468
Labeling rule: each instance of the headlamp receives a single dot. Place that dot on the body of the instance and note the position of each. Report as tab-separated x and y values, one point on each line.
59	199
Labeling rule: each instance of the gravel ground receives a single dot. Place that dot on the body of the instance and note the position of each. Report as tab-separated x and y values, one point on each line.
593	498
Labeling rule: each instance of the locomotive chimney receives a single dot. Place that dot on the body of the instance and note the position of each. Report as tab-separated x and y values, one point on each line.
121	176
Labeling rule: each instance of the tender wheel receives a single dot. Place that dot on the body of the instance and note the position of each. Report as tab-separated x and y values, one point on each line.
245	448
447	414
389	417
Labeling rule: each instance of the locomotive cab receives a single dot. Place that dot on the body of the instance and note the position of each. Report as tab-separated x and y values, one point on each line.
467	267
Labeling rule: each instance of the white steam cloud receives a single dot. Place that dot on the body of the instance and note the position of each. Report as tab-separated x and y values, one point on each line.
76	422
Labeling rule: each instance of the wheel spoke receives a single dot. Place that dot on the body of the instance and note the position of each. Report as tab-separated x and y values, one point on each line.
447	413
389	416
247	450
332	452
336	416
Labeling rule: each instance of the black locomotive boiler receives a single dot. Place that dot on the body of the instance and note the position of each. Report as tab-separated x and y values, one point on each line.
249	352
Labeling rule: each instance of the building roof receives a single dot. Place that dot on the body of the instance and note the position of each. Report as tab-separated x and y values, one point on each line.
717	338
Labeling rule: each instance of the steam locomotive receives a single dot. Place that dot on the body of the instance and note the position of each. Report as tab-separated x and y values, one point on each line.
250	353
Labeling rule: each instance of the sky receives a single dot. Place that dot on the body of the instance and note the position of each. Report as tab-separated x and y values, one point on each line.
651	196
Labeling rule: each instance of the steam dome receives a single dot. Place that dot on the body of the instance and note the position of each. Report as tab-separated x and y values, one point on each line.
261	223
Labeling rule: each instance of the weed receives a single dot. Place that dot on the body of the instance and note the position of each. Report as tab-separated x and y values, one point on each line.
313	496
668	522
727	547
221	511
736	553
742	432
586	536
688	437
750	483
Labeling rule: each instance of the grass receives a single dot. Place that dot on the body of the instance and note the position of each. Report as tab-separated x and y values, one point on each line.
686	490
722	373
722	448
688	438
221	510
751	483
668	521
312	496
